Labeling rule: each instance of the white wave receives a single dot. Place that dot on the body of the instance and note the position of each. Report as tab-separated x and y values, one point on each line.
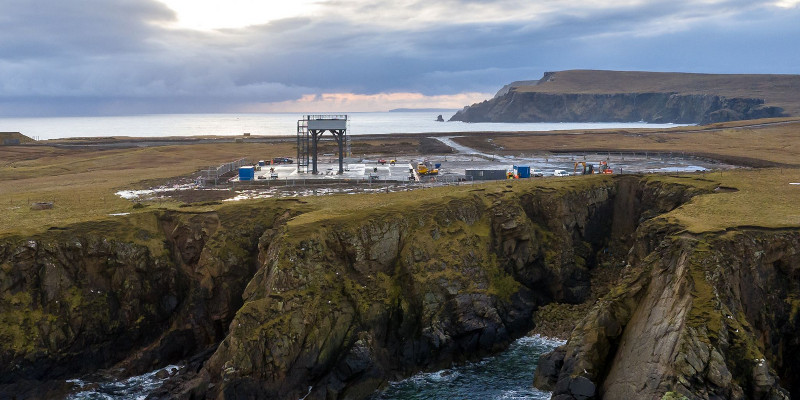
133	388
543	340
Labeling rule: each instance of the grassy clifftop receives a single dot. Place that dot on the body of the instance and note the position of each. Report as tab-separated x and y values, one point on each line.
14	136
776	90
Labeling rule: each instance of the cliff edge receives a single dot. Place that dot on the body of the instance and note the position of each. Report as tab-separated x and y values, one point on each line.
629	96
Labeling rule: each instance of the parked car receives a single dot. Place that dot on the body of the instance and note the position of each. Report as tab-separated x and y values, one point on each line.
560	172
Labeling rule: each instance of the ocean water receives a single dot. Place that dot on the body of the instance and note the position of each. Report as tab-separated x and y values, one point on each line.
506	376
133	388
162	125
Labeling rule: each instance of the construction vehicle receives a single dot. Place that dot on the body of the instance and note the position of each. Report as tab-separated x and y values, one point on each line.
588	169
425	168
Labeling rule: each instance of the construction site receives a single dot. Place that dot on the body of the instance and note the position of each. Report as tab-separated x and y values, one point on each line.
310	173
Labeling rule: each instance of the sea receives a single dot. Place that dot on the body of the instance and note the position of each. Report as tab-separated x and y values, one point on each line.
273	124
505	376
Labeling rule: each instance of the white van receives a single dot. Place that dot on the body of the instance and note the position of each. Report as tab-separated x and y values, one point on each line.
560	172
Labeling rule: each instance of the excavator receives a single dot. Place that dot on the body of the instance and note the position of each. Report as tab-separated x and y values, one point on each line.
425	168
605	169
589	169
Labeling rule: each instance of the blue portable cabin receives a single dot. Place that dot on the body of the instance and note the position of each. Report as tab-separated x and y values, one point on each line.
522	171
246	173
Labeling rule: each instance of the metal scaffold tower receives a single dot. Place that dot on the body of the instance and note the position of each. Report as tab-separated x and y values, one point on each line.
309	131
302	145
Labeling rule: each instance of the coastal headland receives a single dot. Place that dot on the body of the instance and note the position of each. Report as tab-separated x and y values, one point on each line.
656	97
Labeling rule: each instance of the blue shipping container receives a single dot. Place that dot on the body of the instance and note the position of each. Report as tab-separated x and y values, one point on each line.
246	173
523	171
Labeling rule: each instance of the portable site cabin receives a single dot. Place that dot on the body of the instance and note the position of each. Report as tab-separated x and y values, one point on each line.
522	171
246	173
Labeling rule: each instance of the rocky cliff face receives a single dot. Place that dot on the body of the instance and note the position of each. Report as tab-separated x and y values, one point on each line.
659	107
142	292
701	317
337	311
326	307
342	310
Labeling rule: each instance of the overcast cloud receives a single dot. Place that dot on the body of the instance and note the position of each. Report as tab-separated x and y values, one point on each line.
110	57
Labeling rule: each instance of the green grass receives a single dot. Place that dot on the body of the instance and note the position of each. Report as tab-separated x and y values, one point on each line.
82	183
764	199
350	209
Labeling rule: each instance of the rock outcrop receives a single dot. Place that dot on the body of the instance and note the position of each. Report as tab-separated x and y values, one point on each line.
703	317
613	96
140	293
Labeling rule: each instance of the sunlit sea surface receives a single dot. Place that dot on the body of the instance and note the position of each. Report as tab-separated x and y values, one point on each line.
161	125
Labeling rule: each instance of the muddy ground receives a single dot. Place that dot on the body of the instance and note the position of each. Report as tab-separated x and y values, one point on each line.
374	173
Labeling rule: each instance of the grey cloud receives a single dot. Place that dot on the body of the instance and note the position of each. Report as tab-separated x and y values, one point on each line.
96	56
37	28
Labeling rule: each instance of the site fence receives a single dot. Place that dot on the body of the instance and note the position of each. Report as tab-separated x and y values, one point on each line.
213	175
607	155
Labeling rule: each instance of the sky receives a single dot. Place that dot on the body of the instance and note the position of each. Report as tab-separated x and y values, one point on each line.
123	57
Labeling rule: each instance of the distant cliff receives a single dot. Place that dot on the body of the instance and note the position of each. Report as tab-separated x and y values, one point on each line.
611	96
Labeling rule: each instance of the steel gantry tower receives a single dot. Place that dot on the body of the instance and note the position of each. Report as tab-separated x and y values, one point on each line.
310	129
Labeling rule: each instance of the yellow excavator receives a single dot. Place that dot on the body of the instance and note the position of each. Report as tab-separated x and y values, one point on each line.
425	168
588	169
